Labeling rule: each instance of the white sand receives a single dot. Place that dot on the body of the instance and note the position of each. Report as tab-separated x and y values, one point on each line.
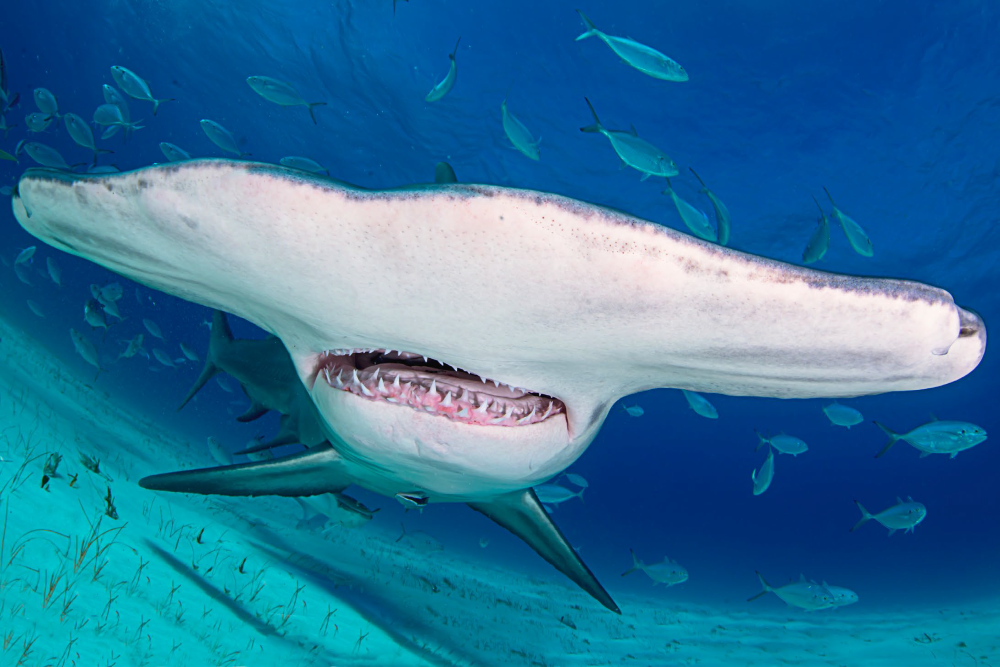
362	598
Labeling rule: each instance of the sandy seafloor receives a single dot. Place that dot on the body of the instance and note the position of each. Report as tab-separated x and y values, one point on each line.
148	591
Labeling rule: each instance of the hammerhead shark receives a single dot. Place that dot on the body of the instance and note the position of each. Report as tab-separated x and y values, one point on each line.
463	343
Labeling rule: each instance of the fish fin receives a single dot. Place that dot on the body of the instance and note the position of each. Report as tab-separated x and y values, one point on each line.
319	470
910	498
830	198
443	173
521	513
632	130
403	533
802	578
580	494
761	440
933	418
698	177
596	127
644	176
893	437
953	455
865	516
924	455
899	500
591	28
311	114
763	583
255	411
157	103
891	531
636	564
220	337
454	51
286	436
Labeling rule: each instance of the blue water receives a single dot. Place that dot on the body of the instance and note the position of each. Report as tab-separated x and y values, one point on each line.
894	106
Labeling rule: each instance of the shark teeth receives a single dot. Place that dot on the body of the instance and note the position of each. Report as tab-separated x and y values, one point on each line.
400	379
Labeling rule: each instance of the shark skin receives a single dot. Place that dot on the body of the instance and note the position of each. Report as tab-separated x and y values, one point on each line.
579	305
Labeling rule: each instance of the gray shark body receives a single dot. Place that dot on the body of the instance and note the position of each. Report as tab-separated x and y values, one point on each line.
463	343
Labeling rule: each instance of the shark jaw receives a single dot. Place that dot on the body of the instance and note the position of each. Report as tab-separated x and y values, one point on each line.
414	426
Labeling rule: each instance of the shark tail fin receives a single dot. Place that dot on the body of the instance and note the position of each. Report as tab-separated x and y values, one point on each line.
893	437
761	440
221	336
596	127
313	115
521	513
865	516
764	585
319	470
636	564
591	31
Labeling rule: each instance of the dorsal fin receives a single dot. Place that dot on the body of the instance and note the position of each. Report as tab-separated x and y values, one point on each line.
802	578
933	418
633	131
899	500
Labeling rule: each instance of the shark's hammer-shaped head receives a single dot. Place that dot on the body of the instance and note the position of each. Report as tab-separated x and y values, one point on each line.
463	342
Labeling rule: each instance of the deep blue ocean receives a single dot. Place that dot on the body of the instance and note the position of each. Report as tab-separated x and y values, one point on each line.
893	106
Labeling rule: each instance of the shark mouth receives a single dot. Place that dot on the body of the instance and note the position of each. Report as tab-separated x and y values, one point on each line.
424	384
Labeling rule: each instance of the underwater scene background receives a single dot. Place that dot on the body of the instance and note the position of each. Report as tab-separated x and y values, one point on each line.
894	107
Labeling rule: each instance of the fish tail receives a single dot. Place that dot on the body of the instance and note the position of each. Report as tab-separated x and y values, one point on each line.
822	212
311	114
893	437
402	534
636	564
829	196
764	585
580	494
865	516
455	50
761	440
220	338
157	103
596	127
698	177
591	28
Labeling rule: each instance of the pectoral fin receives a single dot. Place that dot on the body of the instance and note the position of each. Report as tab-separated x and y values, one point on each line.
522	514
255	411
319	470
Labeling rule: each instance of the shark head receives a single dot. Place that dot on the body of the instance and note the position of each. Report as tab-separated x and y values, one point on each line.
462	342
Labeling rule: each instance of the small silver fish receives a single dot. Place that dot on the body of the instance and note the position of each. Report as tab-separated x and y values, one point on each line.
723	221
842	415
221	137
54	272
803	594
937	437
693	217
303	163
85	349
762	478
856	236
46	102
448	82
634	152
700	404
81	133
785	444
553	494
45	156
133	348
901	516
136	87
174	153
153	328
819	242
665	572
281	93
38	121
25	255
518	134
93	314
643	58
634	410
163	357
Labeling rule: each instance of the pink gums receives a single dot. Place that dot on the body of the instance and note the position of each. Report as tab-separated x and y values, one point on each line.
438	393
